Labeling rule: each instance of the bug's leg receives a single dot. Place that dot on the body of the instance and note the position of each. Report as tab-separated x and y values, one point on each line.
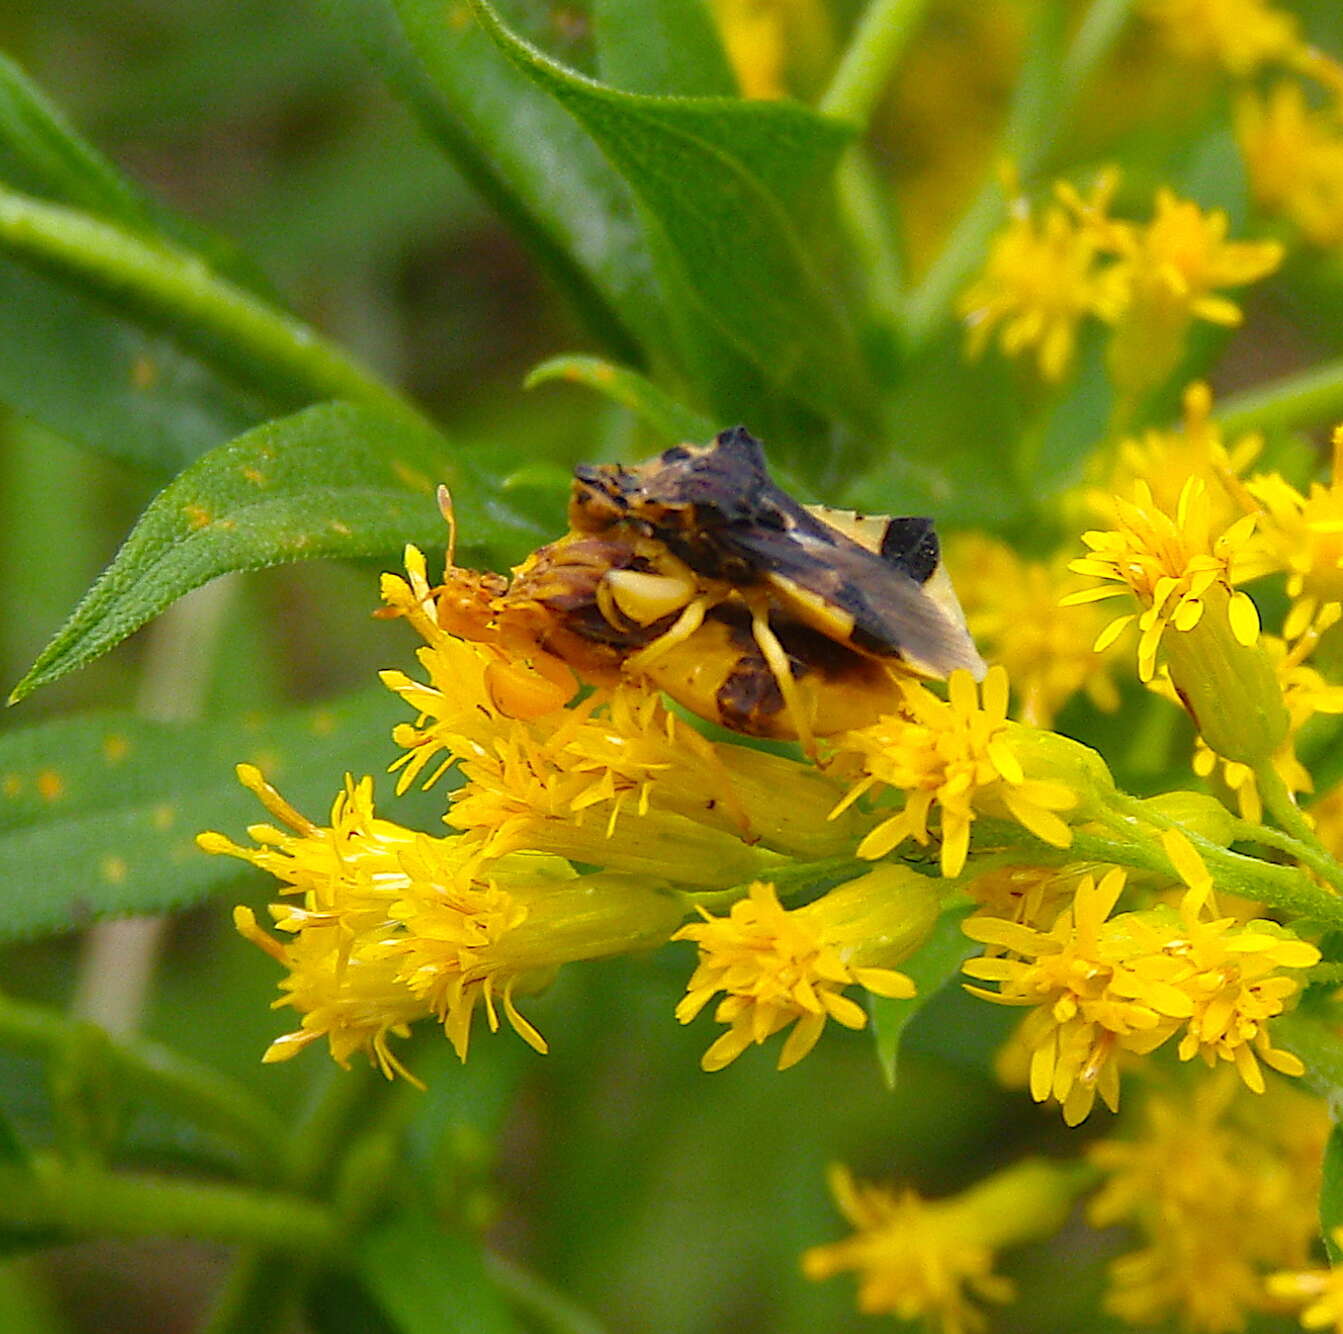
777	662
685	625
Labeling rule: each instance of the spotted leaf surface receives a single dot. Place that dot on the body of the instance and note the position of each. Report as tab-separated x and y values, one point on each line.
332	480
98	814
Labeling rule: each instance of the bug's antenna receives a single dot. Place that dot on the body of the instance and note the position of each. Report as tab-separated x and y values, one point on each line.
450	518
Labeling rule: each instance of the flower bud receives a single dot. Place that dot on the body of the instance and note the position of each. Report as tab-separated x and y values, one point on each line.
1225	679
1194	811
1053	758
881	917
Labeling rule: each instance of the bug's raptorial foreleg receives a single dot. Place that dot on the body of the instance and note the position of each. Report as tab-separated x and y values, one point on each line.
685	625
777	662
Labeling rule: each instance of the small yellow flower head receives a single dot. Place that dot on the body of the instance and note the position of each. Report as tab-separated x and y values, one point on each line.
621	783
1238	35
1304	536
1081	1019
347	875
469	941
1168	273
1040	282
1294	156
1100	985
1011	608
962	757
1218	1191
1031	895
1318	1292
779	967
395	926
1238	976
1164	460
1168	563
932	1260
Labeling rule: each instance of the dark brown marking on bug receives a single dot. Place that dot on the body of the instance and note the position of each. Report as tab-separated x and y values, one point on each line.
717	509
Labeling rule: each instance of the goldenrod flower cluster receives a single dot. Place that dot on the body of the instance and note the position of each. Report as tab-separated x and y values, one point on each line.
1162	943
932	1260
1100	985
1049	271
1219	1191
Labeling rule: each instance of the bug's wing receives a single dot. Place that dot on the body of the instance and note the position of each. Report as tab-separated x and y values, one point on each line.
894	601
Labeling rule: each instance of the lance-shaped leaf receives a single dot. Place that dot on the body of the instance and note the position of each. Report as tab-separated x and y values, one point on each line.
42	154
670	48
672	421
731	189
65	360
98	814
69	364
931	967
528	159
333	480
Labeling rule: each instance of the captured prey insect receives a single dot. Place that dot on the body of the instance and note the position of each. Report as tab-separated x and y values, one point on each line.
698	573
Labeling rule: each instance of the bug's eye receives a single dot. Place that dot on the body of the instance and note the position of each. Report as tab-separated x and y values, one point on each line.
646	598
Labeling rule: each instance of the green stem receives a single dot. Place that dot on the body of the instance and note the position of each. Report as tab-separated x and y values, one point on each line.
1285	810
262	1290
197	1092
876	45
47	1193
1046	90
1282	887
1319	861
550	1309
786	880
220	322
871	232
1305	399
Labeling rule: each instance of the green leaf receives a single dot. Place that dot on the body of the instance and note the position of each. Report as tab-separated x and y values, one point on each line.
430	1281
730	189
931	967
672	421
528	159
67	361
333	480
69	364
1331	1193
98	814
664	47
164	286
42	154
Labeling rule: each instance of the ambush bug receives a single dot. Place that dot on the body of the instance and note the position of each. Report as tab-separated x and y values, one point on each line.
697	572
